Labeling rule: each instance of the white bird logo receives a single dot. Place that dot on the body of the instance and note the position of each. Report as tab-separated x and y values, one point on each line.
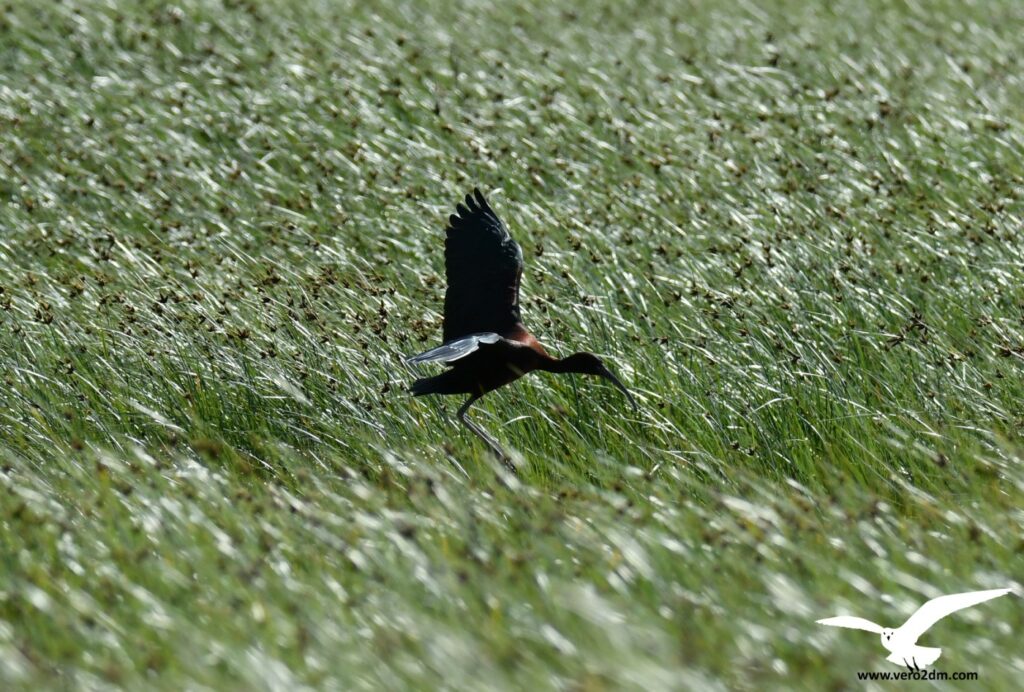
902	642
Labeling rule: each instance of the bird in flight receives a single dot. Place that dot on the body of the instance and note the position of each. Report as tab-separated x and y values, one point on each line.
902	641
485	344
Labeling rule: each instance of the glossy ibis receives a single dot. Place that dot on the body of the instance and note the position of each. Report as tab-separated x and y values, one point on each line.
485	344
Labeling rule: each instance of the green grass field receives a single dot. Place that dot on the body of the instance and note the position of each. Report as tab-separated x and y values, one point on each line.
796	233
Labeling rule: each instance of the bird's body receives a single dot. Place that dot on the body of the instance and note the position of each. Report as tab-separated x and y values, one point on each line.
486	345
914	656
489	367
902	641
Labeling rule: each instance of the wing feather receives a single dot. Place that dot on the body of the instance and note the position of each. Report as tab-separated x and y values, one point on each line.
454	350
484	265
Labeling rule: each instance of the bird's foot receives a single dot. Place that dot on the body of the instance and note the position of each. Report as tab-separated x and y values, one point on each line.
505	458
501	455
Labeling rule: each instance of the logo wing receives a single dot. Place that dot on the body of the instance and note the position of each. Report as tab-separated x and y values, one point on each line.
851	622
938	608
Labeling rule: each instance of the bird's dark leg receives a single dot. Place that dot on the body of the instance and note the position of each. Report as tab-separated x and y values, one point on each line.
491	442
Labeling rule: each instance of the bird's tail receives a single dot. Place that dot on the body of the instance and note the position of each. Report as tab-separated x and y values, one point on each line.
928	654
421	386
919	656
446	383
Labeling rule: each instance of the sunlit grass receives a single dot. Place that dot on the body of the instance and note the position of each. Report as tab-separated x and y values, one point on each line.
795	232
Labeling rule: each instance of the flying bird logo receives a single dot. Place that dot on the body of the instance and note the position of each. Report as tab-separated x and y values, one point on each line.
901	643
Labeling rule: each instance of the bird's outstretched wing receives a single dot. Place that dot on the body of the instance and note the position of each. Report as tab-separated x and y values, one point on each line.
851	622
453	350
483	264
938	608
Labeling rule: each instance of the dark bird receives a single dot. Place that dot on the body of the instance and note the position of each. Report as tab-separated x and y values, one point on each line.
485	344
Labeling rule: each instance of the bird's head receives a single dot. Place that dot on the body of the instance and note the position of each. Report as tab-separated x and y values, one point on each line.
887	634
589	364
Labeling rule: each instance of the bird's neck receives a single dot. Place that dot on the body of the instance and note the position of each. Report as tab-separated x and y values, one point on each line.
561	365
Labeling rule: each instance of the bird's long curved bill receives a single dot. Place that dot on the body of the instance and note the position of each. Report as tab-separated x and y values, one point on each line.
608	375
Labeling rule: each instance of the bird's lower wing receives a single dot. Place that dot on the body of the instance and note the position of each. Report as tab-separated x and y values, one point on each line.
938	608
455	349
851	622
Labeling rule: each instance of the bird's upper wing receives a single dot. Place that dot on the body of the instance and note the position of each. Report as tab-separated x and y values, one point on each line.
851	622
453	350
938	608
483	264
